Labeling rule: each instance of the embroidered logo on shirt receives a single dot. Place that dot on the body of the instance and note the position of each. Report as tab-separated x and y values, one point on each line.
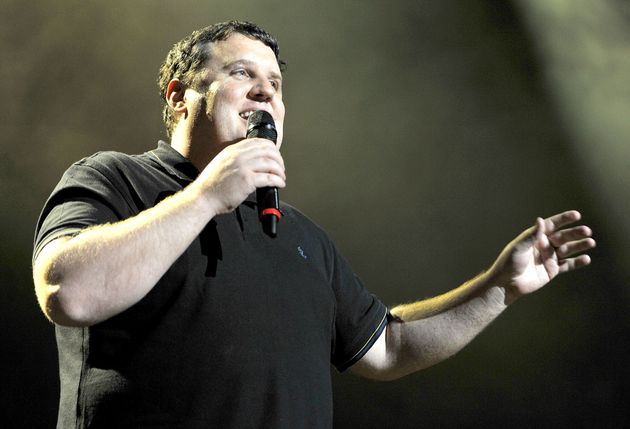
301	252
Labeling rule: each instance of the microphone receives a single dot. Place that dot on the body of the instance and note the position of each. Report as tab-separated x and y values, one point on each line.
260	124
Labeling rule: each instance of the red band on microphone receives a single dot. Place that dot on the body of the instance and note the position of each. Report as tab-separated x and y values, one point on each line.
271	211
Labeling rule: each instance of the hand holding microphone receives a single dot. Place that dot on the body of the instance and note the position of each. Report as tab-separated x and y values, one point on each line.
260	124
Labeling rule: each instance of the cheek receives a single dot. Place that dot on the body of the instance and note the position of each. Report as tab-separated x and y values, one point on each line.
225	102
280	109
280	123
280	131
211	98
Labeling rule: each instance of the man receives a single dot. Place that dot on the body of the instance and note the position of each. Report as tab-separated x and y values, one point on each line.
174	309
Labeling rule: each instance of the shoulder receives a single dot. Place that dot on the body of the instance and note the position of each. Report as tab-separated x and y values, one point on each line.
302	221
103	173
107	160
108	166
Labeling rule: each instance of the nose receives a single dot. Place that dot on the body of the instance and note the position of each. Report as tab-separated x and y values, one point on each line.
262	90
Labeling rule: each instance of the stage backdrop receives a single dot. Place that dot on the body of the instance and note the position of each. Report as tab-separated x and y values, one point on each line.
421	135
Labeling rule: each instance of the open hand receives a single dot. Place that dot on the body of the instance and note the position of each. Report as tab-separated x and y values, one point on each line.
542	252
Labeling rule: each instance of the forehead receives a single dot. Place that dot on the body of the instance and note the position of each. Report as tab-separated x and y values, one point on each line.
240	47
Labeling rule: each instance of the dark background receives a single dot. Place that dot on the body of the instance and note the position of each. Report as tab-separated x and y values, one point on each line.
422	135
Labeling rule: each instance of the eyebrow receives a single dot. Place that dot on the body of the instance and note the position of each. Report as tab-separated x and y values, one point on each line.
249	63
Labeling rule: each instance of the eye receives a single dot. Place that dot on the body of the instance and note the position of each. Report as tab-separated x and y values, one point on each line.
240	73
275	84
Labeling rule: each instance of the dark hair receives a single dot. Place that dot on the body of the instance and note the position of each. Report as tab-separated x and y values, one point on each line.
189	55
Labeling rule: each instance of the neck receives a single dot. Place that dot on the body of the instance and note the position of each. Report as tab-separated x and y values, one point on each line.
196	149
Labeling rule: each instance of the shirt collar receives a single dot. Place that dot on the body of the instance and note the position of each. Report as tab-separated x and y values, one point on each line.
177	165
174	162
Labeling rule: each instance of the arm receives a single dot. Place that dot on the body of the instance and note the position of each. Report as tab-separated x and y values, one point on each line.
108	268
430	331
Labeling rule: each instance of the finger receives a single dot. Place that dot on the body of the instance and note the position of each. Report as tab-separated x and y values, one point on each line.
573	247
532	233
266	165
266	149
260	142
573	263
253	152
262	180
563	236
557	221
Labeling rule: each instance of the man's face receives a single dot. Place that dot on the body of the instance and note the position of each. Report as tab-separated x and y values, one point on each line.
242	76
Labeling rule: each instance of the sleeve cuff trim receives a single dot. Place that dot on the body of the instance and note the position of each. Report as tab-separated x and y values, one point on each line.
370	341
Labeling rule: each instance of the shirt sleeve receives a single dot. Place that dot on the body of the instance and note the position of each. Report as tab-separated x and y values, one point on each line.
360	317
83	197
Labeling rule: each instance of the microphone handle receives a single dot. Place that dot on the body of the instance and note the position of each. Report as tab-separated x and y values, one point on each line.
267	198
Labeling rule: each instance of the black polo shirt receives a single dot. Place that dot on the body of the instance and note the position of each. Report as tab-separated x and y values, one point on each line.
240	331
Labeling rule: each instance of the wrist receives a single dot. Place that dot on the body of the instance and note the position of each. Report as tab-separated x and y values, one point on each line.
203	200
498	279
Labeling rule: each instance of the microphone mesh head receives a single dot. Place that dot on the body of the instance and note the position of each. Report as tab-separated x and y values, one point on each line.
260	124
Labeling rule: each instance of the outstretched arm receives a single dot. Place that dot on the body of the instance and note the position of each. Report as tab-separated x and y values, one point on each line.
432	330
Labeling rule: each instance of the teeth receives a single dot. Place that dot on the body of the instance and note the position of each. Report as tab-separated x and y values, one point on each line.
245	115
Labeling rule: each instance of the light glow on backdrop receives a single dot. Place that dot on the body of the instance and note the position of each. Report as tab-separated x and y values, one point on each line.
459	120
585	46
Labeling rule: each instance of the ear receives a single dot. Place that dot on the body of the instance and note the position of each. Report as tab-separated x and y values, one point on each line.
175	96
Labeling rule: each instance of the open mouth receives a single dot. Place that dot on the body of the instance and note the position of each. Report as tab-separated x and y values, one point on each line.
245	115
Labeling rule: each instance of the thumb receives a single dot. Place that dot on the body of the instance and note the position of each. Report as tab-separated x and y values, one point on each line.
542	241
539	230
